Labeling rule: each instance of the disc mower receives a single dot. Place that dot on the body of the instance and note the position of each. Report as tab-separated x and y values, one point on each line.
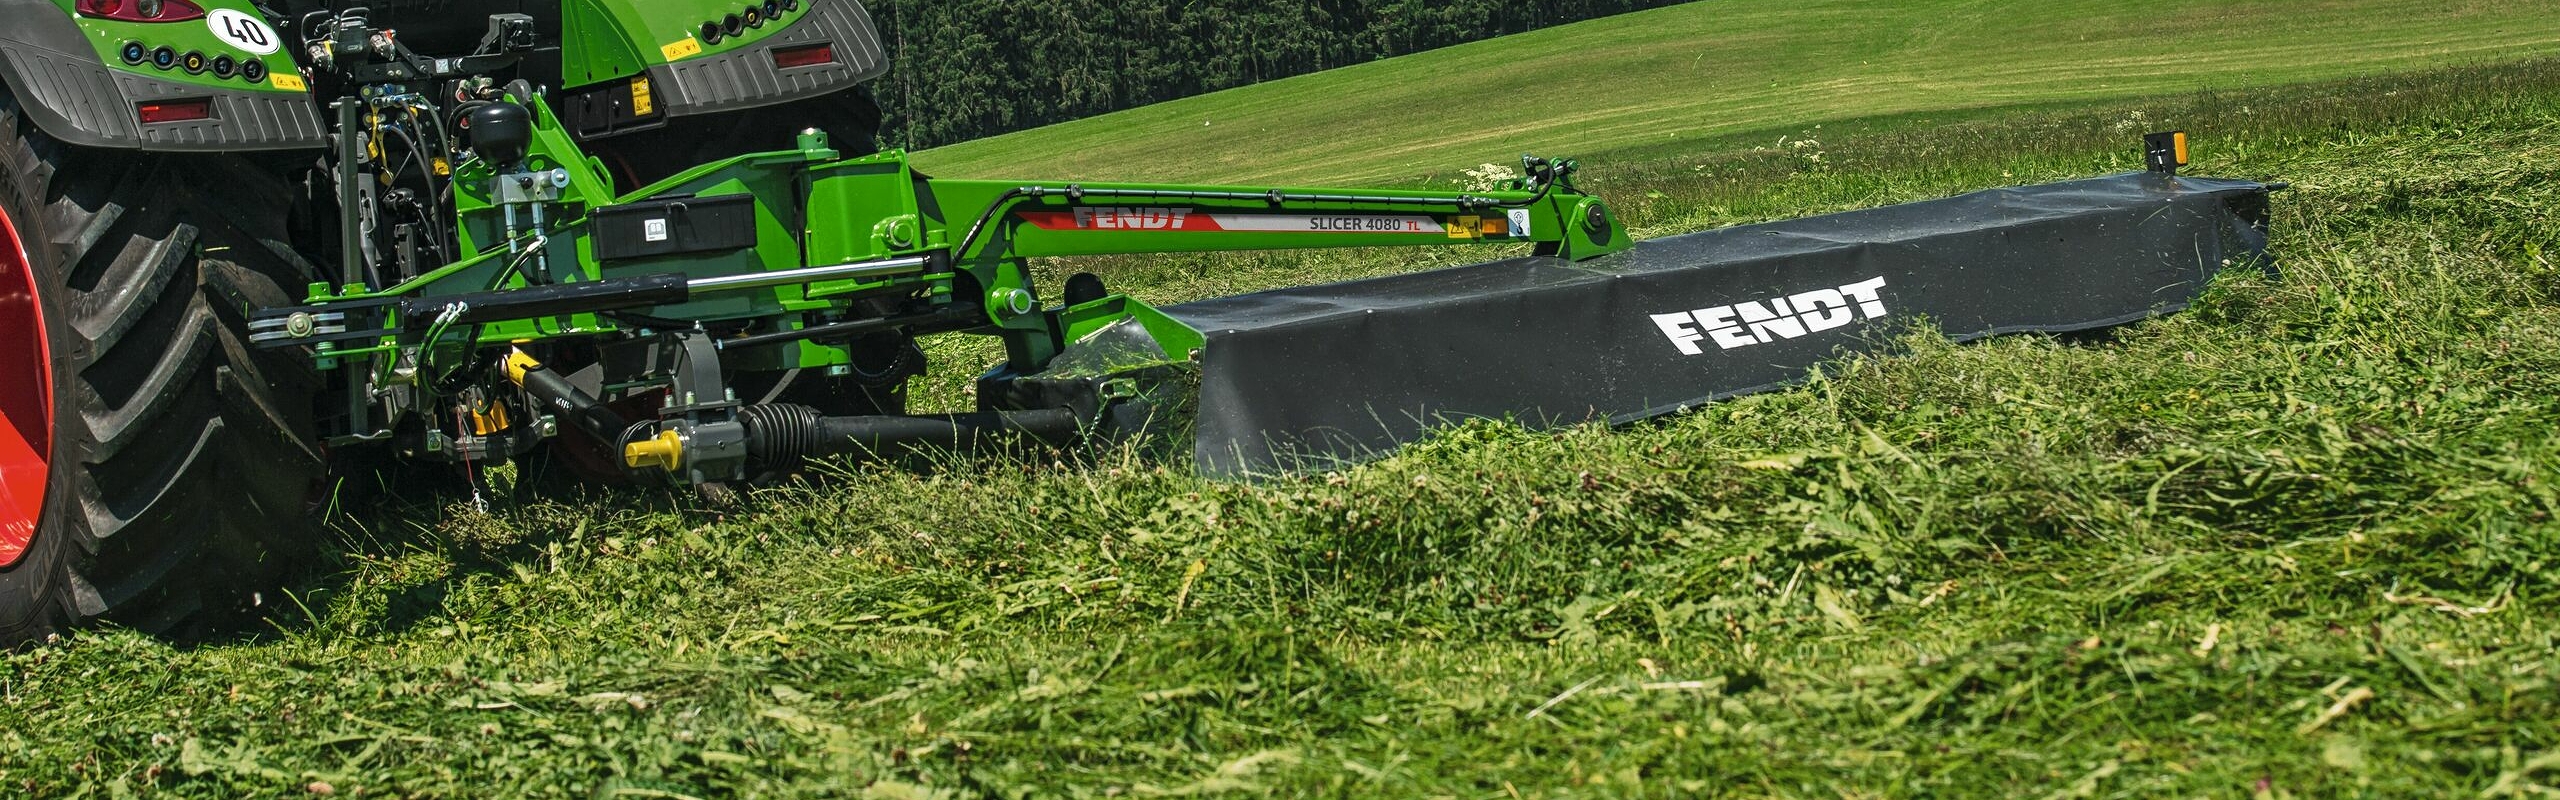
247	248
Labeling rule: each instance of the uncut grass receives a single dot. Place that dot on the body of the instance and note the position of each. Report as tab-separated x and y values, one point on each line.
2296	542
1667	77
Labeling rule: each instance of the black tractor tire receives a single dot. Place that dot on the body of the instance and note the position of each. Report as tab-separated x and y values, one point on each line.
184	464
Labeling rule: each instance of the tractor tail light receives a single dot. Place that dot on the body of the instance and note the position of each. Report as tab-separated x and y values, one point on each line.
141	10
804	56
160	111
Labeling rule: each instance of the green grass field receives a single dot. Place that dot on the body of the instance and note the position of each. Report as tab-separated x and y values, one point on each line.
2297	542
1662	80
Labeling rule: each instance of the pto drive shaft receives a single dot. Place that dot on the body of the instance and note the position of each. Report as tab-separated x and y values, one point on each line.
778	436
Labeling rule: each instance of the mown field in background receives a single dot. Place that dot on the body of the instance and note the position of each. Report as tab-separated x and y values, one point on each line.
1663	80
968	69
2297	542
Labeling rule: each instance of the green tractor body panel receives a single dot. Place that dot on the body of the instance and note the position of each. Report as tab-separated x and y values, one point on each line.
224	80
231	49
221	77
594	49
606	39
629	64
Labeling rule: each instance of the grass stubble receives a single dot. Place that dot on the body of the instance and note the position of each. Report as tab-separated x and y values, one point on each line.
2297	542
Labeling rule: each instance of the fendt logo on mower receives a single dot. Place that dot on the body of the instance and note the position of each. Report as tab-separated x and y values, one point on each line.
1753	322
1132	219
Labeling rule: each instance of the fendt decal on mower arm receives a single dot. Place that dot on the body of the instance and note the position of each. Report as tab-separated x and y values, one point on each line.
1196	221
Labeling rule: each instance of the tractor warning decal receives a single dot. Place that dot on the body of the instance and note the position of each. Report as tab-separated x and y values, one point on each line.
1105	218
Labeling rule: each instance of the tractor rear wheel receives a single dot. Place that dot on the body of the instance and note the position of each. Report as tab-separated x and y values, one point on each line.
154	470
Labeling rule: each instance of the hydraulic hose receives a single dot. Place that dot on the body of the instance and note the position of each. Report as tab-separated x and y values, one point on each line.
562	398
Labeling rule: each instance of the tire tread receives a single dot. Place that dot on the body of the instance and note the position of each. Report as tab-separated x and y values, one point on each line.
184	458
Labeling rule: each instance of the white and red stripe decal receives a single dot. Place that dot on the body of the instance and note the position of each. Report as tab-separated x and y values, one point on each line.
1104	218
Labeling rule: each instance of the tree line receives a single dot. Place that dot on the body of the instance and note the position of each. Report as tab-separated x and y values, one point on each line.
966	69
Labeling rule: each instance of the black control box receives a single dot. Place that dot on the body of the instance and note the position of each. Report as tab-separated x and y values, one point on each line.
674	227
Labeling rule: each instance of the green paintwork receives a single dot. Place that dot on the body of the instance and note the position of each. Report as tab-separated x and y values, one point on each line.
191	36
594	49
1178	340
815	208
606	40
601	40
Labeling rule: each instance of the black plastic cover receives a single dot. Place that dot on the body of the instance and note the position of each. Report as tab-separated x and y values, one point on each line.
1350	370
671	227
608	109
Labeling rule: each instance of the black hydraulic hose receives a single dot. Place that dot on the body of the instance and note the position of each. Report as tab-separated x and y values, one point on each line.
994	210
444	149
564	399
1548	189
432	210
350	222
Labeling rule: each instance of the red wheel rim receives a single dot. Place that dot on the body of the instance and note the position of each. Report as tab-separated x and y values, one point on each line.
26	399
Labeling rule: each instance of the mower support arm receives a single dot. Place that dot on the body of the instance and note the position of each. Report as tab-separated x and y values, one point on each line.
1070	219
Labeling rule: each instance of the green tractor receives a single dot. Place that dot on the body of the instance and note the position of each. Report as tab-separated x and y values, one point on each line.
249	250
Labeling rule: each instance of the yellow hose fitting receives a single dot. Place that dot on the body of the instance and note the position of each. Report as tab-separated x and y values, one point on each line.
490	419
518	363
665	452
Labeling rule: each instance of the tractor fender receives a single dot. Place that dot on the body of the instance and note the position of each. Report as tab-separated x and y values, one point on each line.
48	61
638	65
749	78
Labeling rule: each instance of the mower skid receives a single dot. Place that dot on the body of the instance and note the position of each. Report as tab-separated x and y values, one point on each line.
1315	375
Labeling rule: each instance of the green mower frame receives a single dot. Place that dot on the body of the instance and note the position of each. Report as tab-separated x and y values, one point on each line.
790	253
